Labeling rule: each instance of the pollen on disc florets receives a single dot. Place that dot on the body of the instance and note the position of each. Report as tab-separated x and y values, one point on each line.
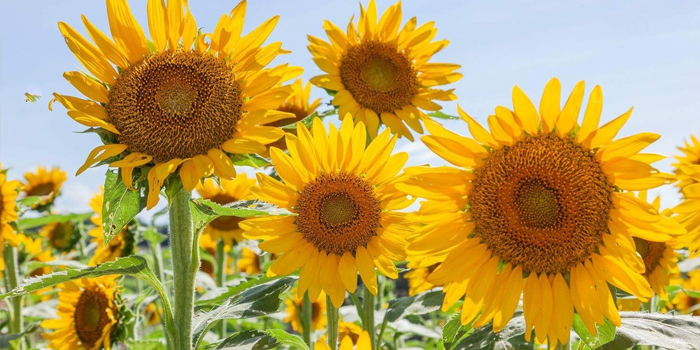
542	203
337	213
91	315
379	77
175	104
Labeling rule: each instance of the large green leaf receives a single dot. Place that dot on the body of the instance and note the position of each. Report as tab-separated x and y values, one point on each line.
416	305
30	223
248	340
262	299
287	339
441	115
662	330
605	333
453	331
251	160
120	205
512	337
231	292
204	211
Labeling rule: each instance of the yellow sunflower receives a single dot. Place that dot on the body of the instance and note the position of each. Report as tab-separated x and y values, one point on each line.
298	104
539	206
152	314
685	303
688	171
418	278
346	343
237	189
343	195
9	190
249	263
349	329
380	71
61	236
87	315
122	244
45	183
318	312
176	101
209	245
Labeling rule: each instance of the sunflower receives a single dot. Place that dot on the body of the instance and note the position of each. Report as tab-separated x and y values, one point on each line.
209	245
152	314
175	101
318	312
380	72
237	189
298	104
417	278
122	244
45	183
343	195
249	263
688	171
62	236
542	207
684	302
363	342
9	190
349	329
87	315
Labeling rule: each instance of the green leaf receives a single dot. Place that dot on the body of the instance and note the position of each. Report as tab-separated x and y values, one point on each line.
248	340
441	115
29	201
31	98
294	341
33	265
120	205
512	337
606	333
454	331
259	300
251	160
204	211
5	339
145	344
231	292
152	236
29	223
662	330
416	305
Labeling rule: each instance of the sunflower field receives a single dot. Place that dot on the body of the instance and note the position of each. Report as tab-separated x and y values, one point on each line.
244	208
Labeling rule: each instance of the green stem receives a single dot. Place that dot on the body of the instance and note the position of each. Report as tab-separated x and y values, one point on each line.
185	254
221	277
15	305
368	319
306	316
332	316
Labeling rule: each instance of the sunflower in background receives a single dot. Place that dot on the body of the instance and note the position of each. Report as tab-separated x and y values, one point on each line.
363	342
209	246
174	101
688	171
380	70
349	329
685	302
249	263
152	314
418	278
88	315
122	244
9	190
346	204
61	236
298	104
229	191
45	183
318	312
542	207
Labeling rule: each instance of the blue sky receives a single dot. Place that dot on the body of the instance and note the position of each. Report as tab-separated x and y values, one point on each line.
643	53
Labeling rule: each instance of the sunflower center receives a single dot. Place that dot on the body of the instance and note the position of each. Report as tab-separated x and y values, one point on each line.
175	105
651	253
62	236
542	203
379	77
41	189
91	315
337	213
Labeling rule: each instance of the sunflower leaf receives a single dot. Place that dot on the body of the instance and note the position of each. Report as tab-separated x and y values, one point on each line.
259	300
29	201
231	292
5	339
288	339
204	210
30	223
453	331
247	340
120	205
251	160
606	333
662	330
441	115
416	305
511	337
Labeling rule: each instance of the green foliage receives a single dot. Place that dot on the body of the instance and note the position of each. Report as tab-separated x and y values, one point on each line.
284	338
605	333
454	331
511	337
662	330
416	305
120	205
204	211
248	340
5	339
30	223
251	160
441	115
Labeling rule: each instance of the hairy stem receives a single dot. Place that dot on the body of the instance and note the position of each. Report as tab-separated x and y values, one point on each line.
332	316
221	277
12	270
306	315
368	319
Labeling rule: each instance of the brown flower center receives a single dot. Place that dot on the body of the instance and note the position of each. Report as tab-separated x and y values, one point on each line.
651	253
41	189
542	203
175	105
91	315
379	77
337	213
62	236
225	223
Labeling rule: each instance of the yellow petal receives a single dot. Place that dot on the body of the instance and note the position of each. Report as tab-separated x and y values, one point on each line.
88	87
525	111
592	116
569	115
157	24
549	105
101	153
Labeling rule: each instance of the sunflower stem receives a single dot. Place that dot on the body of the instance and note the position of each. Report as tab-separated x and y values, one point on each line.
185	255
221	277
15	305
333	317
306	316
368	319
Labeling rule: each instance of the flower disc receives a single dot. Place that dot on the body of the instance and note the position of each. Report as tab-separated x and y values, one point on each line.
91	315
529	200
175	105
